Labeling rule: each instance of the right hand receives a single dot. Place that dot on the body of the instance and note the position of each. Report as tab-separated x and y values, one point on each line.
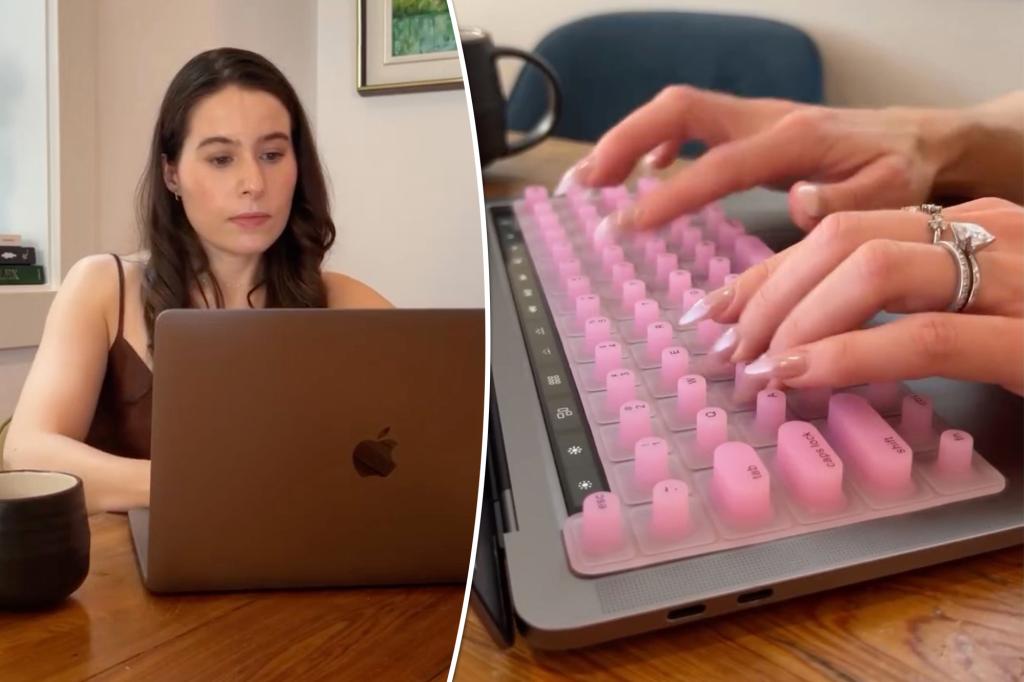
830	159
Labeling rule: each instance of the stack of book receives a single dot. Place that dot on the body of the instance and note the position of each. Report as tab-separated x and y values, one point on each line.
18	263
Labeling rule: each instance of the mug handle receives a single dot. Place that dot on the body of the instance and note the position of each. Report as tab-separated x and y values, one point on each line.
550	118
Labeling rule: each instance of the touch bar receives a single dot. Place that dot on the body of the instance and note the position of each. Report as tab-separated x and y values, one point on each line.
579	468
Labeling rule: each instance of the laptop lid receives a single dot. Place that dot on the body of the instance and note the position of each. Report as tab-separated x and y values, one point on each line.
296	448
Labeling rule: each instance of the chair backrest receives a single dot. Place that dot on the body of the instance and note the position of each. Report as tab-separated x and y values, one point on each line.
610	64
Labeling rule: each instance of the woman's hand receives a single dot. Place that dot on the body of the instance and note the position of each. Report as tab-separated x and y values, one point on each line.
798	308
830	159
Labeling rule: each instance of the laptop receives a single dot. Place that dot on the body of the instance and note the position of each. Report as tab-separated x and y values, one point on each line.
312	448
577	547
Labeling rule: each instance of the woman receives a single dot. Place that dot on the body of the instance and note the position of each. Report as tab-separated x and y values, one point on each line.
792	315
234	213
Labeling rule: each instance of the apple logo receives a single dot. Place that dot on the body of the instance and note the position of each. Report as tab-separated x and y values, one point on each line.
373	457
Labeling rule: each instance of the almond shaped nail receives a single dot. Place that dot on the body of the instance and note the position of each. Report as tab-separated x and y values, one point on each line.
726	342
709	306
778	366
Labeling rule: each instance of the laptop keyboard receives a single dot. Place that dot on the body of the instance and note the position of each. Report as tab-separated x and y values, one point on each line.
664	451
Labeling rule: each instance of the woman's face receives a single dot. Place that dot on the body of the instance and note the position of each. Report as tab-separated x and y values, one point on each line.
236	172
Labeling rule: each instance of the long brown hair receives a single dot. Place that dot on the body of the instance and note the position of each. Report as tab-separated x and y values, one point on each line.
291	266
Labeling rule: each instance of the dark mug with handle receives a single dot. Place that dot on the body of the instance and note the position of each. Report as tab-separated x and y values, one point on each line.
489	103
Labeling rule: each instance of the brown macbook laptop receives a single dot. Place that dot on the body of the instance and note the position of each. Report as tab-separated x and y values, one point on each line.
302	448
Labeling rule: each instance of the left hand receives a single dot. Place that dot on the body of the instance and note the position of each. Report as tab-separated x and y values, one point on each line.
799	307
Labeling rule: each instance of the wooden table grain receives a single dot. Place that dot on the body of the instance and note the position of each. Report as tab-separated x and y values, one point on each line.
962	620
113	629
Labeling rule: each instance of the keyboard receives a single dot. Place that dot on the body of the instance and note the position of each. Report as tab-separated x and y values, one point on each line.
665	451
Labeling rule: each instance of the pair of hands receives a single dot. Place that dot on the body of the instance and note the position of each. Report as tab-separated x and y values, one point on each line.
793	314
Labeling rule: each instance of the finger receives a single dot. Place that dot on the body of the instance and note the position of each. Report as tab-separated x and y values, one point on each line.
662	156
678	113
884	183
812	259
984	348
778	152
881	274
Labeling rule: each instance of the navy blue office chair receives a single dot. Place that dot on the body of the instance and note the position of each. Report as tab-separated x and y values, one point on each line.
612	63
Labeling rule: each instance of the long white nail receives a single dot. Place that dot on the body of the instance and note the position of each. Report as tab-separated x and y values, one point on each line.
568	181
648	163
717	300
726	342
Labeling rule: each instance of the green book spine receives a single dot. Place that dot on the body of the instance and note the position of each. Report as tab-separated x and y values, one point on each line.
21	274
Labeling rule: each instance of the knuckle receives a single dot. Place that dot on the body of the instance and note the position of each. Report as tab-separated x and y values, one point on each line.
874	260
935	336
806	120
678	96
841	229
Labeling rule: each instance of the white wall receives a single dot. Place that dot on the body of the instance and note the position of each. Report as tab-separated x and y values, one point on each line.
875	52
404	179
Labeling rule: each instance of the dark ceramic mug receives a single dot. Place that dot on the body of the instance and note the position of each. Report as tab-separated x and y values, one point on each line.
489	103
44	538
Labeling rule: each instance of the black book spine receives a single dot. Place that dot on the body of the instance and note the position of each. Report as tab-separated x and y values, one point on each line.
17	255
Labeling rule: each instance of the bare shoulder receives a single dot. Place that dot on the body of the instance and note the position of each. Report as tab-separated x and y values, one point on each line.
90	288
347	292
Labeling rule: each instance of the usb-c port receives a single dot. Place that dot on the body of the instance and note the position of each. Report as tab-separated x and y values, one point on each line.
686	611
756	595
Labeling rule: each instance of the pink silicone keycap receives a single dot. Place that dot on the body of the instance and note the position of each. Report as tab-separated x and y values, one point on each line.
916	418
577	286
675	362
692	390
810	468
712	430
708	332
740	485
692	296
728	233
659	337
650	462
634	422
702	256
652	248
610	255
691	237
607	356
678	282
879	456
771	411
718	268
535	194
646	185
665	264
730	278
562	250
645	312
603	528
749	251
596	330
670	510
884	395
622	272
956	448
632	291
570	267
620	386
745	386
587	306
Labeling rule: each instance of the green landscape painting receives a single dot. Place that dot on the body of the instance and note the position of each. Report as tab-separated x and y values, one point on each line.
420	27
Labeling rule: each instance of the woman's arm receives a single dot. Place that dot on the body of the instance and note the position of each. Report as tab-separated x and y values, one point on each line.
347	292
985	149
59	397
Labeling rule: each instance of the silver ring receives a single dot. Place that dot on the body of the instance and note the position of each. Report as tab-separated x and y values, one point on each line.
975	279
964	280
936	223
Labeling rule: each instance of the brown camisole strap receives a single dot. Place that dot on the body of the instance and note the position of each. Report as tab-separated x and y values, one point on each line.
120	297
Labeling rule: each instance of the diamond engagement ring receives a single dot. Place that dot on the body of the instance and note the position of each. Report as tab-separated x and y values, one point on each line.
969	238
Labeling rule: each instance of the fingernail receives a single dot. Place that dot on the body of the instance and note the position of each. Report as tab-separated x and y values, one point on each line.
708	306
778	366
809	198
648	164
614	223
575	176
726	342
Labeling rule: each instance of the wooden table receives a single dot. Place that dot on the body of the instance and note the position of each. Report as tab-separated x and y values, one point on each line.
113	629
961	620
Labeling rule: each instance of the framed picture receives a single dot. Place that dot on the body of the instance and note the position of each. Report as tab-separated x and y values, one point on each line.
406	46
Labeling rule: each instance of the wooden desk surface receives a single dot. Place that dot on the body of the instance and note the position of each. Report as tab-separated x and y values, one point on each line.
961	620
113	629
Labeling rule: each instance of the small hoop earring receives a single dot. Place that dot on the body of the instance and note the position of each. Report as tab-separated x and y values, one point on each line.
177	197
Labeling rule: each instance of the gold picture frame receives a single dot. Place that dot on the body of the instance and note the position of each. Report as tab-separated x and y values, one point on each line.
379	72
